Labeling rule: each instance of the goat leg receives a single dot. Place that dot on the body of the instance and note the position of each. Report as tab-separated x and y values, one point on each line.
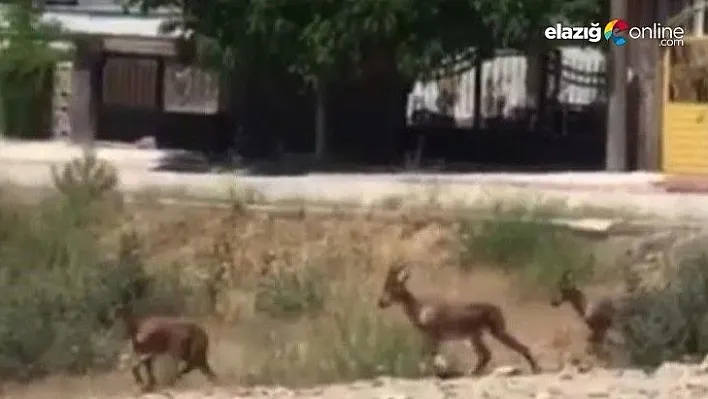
431	350
209	373
187	368
150	374
512	343
484	355
595	342
137	362
135	369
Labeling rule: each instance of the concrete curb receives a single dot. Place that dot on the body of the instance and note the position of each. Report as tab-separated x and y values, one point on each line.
368	191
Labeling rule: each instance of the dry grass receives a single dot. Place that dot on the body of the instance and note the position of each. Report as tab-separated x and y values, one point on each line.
292	300
227	255
328	327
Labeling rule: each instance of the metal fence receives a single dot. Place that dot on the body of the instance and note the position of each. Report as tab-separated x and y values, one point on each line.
580	82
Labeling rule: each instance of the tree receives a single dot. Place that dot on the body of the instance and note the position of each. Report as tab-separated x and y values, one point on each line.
26	64
322	41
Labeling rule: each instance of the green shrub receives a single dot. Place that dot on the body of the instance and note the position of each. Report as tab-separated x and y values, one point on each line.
26	71
671	322
290	292
523	241
58	285
55	287
85	180
508	243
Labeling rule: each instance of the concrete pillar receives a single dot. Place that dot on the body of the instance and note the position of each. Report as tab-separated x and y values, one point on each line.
85	91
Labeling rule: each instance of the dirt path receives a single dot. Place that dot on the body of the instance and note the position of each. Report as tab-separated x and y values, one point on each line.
670	381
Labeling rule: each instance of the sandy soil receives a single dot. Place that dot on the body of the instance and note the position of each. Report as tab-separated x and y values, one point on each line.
670	381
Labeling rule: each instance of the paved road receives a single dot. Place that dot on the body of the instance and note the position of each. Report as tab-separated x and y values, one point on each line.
28	165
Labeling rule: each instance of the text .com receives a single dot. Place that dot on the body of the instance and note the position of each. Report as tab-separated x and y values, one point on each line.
617	32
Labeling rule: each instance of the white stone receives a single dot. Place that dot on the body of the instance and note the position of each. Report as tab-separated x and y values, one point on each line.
543	395
703	367
506	371
670	370
568	373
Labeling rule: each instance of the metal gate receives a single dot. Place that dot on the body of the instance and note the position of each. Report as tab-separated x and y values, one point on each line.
130	82
130	107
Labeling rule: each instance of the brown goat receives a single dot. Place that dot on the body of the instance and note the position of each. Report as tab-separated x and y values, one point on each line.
445	321
598	315
156	335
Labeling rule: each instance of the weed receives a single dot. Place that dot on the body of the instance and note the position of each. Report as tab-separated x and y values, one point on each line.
348	343
523	241
292	292
391	202
85	179
669	323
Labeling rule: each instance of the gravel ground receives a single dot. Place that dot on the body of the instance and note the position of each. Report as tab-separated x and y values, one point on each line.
672	380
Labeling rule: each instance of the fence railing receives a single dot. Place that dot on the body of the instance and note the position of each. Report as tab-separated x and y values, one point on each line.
580	81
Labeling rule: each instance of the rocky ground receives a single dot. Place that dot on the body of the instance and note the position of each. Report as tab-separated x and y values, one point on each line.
672	380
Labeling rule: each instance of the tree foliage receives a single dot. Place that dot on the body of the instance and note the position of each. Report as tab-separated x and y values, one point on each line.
26	62
327	38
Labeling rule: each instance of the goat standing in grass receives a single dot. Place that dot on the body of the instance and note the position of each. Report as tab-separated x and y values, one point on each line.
443	321
156	335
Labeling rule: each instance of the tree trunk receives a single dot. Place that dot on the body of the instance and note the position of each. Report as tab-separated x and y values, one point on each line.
320	121
533	83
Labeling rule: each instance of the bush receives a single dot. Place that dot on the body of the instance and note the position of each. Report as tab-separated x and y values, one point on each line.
291	292
671	322
86	180
58	283
26	71
524	241
55	288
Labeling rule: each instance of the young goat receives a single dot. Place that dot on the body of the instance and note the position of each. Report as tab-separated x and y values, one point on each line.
598	316
156	335
443	321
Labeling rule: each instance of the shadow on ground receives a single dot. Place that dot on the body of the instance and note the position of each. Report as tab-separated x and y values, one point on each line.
298	165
